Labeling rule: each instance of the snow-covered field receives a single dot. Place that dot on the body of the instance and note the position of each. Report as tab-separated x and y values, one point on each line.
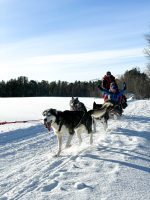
115	167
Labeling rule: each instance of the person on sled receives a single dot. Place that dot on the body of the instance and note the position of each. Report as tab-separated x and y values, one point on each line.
114	95
106	82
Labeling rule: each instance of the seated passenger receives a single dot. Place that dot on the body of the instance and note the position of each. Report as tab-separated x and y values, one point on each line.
113	94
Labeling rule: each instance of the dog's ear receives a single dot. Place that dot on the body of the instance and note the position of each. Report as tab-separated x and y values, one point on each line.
44	113
53	111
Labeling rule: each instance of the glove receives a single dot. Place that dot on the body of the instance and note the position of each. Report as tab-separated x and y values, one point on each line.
99	82
102	89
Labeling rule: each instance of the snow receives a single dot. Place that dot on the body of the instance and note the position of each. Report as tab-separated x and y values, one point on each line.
116	166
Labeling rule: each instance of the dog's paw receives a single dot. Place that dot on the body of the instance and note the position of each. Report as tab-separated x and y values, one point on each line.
55	156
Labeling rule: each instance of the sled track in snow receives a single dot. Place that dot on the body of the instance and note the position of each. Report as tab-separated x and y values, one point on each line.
49	171
59	164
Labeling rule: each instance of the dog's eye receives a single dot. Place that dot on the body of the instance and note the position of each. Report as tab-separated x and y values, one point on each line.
48	114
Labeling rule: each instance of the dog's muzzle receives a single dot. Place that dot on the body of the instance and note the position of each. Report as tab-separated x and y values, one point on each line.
47	124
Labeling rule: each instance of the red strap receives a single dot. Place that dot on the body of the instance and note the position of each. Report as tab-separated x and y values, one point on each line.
3	123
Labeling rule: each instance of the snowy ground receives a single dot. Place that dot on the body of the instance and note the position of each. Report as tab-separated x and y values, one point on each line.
115	167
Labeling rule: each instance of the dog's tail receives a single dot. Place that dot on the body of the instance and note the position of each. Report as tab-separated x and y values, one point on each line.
97	113
108	104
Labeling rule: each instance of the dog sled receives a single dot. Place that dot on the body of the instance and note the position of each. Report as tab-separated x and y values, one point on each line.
118	109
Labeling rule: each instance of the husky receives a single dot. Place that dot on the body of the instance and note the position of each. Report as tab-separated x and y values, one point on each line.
76	105
101	112
114	112
70	122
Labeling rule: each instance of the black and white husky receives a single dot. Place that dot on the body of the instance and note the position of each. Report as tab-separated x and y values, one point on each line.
101	112
114	112
71	122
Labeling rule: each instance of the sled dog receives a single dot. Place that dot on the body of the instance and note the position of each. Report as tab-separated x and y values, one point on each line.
101	111
68	122
77	105
113	111
72	122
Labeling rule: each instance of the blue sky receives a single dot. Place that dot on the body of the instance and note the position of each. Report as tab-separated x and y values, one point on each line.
72	40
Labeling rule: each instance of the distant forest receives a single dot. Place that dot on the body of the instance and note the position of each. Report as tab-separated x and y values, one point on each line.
137	83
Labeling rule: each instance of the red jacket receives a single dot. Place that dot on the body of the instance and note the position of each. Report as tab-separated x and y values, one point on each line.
107	80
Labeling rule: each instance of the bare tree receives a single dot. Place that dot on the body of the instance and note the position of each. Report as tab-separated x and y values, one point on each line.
147	70
147	51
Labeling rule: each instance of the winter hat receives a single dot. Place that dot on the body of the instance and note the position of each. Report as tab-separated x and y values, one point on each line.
108	73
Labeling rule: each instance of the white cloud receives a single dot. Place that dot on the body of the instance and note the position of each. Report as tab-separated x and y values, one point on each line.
87	57
70	66
78	58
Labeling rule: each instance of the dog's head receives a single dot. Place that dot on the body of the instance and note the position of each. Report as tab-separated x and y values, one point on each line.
49	117
97	106
74	102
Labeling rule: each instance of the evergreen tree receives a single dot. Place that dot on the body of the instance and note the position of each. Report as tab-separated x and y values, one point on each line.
137	83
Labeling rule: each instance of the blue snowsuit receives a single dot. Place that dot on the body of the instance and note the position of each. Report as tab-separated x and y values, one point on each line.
115	97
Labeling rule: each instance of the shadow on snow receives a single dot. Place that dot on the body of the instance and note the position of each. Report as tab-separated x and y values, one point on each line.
20	134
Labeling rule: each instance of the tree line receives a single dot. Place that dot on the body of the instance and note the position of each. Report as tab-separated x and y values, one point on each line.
22	87
137	83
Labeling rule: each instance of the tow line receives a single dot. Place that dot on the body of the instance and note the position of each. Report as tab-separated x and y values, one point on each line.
15	122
